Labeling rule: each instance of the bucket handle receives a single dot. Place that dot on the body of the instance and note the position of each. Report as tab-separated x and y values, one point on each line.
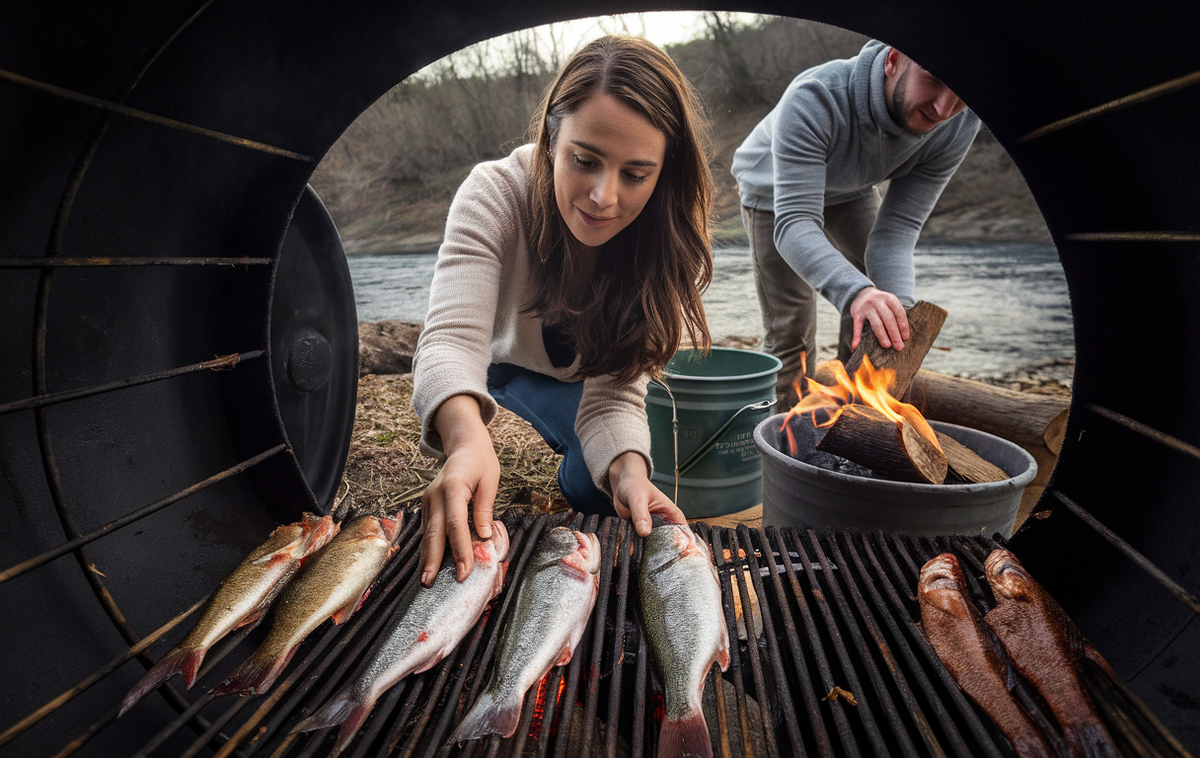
701	451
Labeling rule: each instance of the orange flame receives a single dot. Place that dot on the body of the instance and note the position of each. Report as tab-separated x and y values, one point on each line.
868	387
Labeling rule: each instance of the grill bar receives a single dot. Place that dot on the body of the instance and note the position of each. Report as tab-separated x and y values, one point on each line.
220	363
57	262
605	701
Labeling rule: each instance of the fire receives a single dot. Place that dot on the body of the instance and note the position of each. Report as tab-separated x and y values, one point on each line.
869	386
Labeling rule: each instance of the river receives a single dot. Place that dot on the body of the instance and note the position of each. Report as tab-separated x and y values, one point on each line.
1008	305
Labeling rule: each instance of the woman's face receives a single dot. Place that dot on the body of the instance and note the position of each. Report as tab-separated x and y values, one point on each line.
607	160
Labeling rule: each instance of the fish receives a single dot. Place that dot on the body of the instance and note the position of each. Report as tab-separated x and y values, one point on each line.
428	624
553	605
334	584
1048	650
680	605
972	654
240	600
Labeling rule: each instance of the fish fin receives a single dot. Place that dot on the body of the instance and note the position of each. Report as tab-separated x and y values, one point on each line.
343	614
344	709
252	619
256	675
175	662
564	656
1093	655
687	736
489	715
1090	740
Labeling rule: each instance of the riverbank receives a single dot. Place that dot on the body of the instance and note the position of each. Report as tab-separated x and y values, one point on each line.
385	469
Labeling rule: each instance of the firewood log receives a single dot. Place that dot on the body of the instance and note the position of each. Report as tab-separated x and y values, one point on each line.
924	322
893	449
965	465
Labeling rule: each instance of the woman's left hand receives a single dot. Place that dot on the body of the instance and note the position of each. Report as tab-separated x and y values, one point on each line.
635	498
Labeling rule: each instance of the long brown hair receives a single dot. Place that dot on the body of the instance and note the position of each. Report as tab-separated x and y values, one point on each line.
628	316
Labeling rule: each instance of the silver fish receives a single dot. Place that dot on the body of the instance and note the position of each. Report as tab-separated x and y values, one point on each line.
680	600
240	600
428	624
333	585
553	605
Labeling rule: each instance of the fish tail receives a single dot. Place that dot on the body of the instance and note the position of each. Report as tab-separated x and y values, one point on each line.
345	709
685	737
256	675
1090	740
175	662
489	715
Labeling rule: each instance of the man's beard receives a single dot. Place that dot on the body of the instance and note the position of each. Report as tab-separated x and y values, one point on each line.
896	106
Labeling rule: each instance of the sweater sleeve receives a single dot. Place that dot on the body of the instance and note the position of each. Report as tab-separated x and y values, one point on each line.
804	134
612	421
454	350
905	209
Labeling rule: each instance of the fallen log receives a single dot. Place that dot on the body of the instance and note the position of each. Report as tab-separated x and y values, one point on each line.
924	322
1037	423
965	465
1027	419
894	449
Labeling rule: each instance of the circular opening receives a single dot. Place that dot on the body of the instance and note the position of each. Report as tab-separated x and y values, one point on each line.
722	363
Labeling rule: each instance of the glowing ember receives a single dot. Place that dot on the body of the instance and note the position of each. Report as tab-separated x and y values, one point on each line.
868	387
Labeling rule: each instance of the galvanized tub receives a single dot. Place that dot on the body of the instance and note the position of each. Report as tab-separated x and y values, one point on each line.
799	494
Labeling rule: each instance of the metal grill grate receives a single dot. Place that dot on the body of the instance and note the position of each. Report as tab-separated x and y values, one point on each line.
841	668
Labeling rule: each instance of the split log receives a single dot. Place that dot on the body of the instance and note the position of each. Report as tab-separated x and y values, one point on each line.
893	449
967	466
924	322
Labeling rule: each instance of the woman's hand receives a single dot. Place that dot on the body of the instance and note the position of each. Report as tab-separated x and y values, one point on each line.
470	475
885	314
635	498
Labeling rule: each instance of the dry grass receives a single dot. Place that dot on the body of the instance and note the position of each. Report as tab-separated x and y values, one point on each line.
386	471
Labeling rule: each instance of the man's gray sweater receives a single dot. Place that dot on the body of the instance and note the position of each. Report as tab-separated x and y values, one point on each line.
829	140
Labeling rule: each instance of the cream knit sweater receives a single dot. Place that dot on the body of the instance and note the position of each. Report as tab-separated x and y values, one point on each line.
482	280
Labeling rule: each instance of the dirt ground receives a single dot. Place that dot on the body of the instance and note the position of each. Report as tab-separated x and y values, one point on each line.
386	470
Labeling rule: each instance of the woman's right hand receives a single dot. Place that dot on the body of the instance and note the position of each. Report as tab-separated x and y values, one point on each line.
466	483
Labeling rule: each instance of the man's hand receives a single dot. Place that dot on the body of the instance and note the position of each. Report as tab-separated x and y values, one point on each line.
470	475
635	498
885	314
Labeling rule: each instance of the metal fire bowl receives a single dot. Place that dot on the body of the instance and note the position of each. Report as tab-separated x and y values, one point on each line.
802	495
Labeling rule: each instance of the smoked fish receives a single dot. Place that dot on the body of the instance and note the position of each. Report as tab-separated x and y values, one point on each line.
680	604
553	605
428	624
240	600
333	584
1048	650
972	654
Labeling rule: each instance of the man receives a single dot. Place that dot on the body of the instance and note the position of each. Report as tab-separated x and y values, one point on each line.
808	176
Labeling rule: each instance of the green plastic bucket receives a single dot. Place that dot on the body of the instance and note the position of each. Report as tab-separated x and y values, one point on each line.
719	399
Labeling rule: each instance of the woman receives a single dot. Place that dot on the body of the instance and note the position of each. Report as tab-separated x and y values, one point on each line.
568	275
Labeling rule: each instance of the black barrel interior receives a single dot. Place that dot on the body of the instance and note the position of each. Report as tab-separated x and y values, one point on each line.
180	136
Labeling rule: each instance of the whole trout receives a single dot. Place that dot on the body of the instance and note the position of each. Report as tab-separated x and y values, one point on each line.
333	584
552	608
428	624
680	600
972	654
1046	647
240	600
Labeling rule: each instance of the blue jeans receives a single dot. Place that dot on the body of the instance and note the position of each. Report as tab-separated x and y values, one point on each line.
551	407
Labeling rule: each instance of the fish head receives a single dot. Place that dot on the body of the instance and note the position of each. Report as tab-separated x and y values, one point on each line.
1008	578
318	532
670	542
494	548
942	572
391	525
